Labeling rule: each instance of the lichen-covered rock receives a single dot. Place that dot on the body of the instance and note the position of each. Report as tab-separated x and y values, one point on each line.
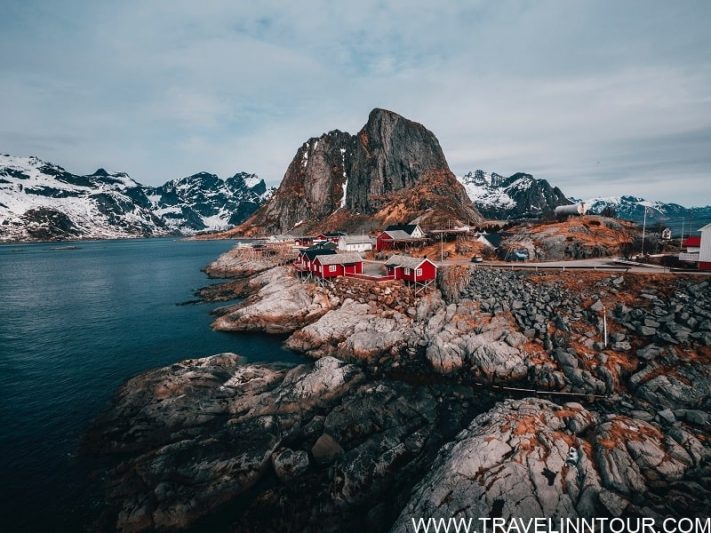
533	458
510	462
458	338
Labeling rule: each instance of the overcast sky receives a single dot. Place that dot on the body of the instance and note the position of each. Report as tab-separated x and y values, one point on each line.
600	97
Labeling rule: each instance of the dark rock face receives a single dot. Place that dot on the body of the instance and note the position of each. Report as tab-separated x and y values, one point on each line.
339	176
533	196
313	185
392	154
49	224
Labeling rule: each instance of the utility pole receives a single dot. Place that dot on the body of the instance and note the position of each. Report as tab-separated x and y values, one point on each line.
604	324
441	248
644	228
681	241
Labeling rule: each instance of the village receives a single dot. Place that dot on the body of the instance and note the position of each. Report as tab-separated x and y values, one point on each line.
402	252
413	256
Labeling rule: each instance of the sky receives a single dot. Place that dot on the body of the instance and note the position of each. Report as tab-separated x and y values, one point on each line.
600	97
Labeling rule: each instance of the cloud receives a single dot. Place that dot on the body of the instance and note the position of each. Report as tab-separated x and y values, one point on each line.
600	97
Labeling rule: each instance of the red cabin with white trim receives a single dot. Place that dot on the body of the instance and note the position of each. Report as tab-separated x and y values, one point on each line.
414	269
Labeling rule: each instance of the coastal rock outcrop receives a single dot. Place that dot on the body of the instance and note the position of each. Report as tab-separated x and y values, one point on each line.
355	330
282	305
197	435
533	458
235	263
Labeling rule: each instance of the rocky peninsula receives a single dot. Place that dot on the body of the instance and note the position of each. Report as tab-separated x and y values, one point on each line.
498	394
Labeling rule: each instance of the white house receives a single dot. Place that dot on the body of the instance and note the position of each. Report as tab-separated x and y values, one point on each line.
355	243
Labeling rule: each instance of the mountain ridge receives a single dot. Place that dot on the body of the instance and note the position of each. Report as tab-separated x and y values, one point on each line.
517	196
40	200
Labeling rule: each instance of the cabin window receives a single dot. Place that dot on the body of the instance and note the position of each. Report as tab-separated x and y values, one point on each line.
332	268
407	271
418	272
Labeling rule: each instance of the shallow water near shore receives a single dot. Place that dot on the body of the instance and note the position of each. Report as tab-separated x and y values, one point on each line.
75	322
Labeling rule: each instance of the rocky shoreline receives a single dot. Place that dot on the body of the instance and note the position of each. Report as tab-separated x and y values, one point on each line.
417	406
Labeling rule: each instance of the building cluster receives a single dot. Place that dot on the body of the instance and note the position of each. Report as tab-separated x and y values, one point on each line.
333	254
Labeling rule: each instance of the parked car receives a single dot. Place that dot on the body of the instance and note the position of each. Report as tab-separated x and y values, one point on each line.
477	259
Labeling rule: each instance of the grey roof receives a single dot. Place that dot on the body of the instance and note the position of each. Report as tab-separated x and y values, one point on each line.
407	228
405	261
339	259
357	239
313	253
399	235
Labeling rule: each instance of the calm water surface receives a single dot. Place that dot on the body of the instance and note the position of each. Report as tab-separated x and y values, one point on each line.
75	324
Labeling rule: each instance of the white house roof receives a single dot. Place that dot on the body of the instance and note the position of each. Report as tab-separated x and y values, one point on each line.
339	259
704	228
406	261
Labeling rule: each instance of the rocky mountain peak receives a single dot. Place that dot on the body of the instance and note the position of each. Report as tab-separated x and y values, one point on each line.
338	176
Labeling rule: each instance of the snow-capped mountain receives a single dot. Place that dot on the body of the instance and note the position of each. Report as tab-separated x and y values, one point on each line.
205	202
42	201
518	196
668	214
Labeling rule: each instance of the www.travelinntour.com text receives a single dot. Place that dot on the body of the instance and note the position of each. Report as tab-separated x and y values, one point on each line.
563	525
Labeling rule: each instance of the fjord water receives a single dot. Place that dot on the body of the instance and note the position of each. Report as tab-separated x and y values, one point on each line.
75	322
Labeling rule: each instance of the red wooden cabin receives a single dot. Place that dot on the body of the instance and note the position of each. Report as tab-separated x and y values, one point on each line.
414	269
304	261
334	265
